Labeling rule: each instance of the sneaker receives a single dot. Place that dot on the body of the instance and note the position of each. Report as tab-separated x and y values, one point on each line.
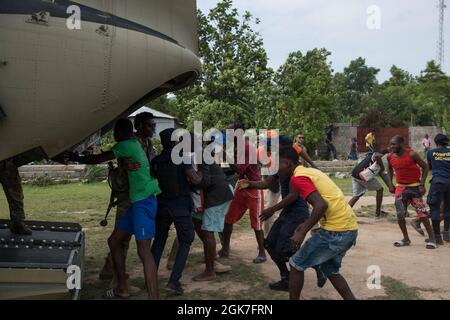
175	288
282	285
446	236
221	268
20	228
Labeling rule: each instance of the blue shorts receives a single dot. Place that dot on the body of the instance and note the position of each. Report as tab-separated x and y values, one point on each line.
324	251
140	219
213	218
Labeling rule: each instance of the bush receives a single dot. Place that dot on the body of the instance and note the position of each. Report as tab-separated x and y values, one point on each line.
95	174
43	181
157	145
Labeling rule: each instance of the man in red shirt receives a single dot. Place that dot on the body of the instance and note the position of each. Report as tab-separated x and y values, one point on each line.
243	200
410	187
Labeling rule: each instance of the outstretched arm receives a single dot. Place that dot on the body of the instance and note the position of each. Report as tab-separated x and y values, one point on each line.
92	159
262	184
390	177
320	206
307	158
290	198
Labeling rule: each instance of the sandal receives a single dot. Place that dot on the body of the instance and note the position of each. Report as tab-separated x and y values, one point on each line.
259	259
111	294
417	228
401	243
431	245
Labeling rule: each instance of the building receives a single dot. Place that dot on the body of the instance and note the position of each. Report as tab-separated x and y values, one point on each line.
163	121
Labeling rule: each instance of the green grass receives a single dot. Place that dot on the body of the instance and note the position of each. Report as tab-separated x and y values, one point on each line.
87	203
346	186
369	212
397	290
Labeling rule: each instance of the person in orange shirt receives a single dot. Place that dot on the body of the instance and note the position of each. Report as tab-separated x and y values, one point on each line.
272	194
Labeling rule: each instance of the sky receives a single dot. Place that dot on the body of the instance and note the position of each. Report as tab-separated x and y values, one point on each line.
384	32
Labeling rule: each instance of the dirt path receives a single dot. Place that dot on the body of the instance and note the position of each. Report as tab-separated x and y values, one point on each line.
415	266
370	200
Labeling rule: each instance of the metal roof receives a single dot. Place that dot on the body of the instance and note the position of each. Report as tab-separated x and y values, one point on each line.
156	113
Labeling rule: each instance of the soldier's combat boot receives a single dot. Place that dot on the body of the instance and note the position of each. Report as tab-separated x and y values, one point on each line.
20	227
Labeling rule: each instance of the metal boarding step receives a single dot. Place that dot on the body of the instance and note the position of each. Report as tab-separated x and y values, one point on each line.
35	266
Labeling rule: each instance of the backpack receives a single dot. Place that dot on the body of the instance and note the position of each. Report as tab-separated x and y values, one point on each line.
166	172
120	188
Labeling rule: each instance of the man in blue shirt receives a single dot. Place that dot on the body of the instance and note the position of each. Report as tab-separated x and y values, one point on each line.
439	162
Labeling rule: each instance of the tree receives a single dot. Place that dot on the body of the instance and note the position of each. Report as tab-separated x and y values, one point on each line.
357	81
234	64
214	114
306	96
391	103
402	98
434	94
399	77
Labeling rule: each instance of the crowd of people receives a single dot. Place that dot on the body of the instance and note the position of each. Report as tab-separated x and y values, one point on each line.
153	193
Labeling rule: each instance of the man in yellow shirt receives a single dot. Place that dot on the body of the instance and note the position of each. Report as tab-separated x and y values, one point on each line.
370	141
338	231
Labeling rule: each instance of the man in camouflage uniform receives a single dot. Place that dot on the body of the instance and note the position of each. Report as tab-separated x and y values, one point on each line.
145	128
12	185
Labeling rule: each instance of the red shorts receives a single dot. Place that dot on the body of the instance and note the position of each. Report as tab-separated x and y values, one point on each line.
405	196
243	200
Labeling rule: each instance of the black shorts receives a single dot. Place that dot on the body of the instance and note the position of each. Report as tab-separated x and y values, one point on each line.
279	237
439	192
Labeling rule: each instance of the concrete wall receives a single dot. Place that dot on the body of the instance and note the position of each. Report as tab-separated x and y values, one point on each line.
71	172
76	172
416	135
344	133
